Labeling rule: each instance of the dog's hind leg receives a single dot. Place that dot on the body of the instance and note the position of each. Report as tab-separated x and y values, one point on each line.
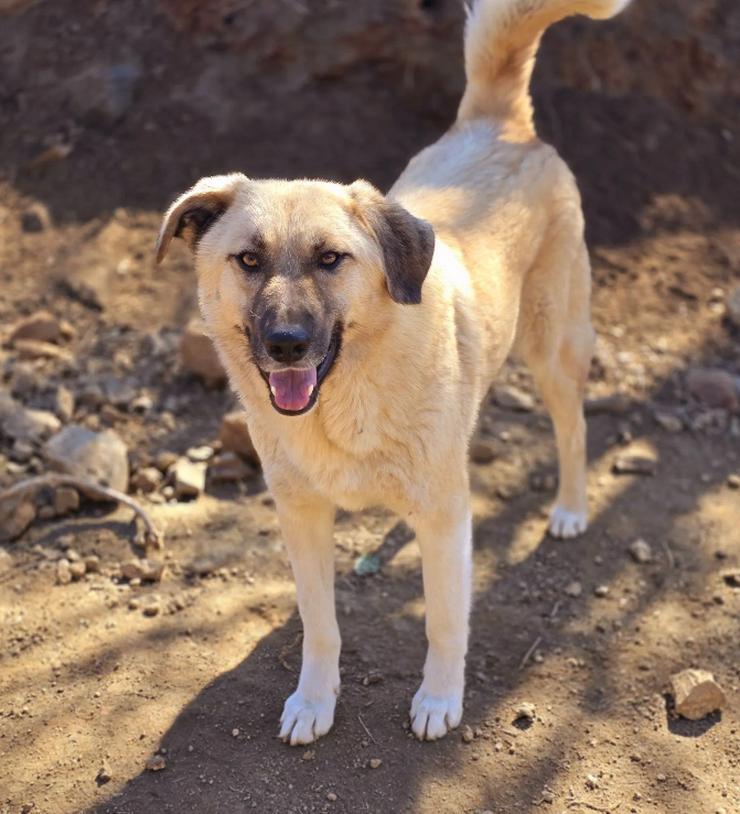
307	524
556	340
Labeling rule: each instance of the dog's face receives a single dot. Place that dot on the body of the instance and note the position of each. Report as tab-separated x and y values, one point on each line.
290	270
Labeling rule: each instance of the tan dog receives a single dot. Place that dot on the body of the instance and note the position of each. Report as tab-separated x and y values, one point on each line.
361	339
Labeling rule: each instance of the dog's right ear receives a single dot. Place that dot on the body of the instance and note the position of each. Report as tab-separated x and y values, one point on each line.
194	212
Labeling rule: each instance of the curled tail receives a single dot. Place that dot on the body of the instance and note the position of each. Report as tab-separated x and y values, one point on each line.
501	40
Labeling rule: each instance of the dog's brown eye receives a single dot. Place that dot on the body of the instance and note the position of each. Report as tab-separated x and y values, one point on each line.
329	260
248	261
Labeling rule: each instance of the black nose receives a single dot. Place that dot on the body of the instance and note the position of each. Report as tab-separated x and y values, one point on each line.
287	345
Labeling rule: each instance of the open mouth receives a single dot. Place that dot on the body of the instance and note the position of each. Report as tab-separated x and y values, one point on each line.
294	391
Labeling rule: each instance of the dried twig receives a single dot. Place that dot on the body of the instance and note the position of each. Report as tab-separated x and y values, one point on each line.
669	554
528	654
362	723
583	804
152	536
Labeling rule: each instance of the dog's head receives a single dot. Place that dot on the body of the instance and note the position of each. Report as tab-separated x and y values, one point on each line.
292	269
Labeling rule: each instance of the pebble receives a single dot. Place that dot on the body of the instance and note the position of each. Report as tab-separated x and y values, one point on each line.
104	774
155	763
634	465
41	326
375	762
77	569
733	481
696	694
64	575
15	517
189	479
228	467
574	589
200	454
601	591
525	711
640	551
512	398
35	219
146	479
731	577
481	452
234	436
467	735
64	404
199	356
101	457
23	424
235	732
668	421
92	564
165	460
331	797
713	387
66	500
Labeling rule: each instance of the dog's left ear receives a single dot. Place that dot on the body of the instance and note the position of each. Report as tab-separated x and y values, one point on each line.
407	242
194	212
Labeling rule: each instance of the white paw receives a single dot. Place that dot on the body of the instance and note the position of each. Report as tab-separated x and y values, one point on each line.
565	523
304	721
432	716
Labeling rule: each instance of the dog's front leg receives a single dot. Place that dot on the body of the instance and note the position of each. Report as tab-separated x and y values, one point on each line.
445	539
307	525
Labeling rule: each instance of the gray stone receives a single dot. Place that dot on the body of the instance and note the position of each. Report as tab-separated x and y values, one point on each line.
64	404
66	500
234	436
146	479
640	551
101	457
712	387
634	465
24	424
16	515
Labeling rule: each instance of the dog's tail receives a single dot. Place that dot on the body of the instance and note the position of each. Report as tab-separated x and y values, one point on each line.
501	39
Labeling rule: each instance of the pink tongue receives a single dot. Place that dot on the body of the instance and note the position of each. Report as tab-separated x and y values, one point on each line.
292	389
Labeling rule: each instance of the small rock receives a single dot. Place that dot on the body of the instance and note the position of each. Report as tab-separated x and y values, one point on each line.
733	481
574	589
35	219
66	500
234	436
64	404
152	607
189	479
525	711
165	460
640	551
331	797
146	480
634	465
143	570
309	754
696	694
64	575
467	735
592	782
229	468
92	563
234	733
617	404
601	591
203	566
24	424
712	387
200	454
101	457
77	569
731	577
15	517
366	565
668	421
141	404
104	775
511	398
41	326
481	452
548	797
155	763
375	762
35	349
198	354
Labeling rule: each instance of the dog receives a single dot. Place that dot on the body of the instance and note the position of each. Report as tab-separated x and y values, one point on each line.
362	331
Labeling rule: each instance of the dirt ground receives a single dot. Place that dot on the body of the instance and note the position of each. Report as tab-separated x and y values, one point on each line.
109	109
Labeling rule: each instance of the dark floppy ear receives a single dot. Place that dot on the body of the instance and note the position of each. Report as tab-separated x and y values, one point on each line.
407	242
194	212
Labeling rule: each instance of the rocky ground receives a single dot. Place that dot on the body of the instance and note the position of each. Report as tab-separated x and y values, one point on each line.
138	678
